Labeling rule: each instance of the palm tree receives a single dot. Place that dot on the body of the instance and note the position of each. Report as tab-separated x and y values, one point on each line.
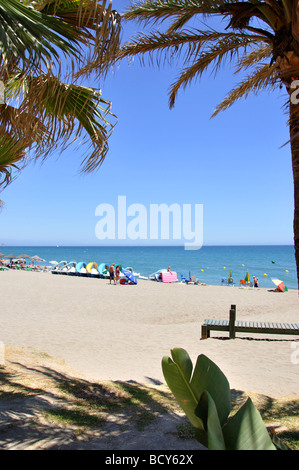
261	36
45	107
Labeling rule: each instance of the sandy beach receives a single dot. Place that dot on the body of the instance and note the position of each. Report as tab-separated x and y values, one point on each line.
108	332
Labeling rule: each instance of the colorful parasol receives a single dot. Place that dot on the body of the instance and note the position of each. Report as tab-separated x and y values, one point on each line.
247	276
280	284
130	276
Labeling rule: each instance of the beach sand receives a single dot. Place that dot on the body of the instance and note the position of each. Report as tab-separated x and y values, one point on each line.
108	332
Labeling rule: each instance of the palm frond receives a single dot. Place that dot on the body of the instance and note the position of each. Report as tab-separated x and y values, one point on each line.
29	37
257	55
225	49
67	113
97	25
265	76
12	154
20	124
241	13
190	43
159	10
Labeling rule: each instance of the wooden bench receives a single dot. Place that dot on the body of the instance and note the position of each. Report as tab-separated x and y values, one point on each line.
233	326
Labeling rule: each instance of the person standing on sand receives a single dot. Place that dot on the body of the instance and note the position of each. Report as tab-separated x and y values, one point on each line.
117	274
111	273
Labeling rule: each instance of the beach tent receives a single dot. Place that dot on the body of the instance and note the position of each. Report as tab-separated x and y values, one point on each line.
170	276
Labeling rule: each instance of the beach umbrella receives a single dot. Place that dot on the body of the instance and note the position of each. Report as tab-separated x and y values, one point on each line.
2	255
37	258
247	276
280	284
53	262
23	256
130	276
10	257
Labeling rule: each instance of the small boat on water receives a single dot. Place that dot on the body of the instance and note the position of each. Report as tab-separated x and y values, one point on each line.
157	276
71	268
65	268
57	269
131	270
104	270
92	270
81	269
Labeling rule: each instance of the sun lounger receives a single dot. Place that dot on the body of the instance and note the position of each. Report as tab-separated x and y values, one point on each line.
233	326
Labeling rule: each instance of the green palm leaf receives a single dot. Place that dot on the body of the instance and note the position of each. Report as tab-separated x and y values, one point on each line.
63	113
97	26
53	112
25	31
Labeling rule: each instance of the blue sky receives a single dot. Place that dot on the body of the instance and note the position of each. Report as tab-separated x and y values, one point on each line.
232	164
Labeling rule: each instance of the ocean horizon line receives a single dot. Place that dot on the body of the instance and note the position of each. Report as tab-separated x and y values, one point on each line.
142	246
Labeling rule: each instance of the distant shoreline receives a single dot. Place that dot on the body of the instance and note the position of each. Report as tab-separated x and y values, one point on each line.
138	246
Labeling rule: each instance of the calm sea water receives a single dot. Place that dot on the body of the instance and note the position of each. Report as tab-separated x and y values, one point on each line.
207	264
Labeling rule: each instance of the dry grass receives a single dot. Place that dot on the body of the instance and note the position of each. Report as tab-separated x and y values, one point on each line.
39	397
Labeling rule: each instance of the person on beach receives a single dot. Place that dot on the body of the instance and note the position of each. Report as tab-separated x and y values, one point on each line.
117	274
168	269
255	281
111	273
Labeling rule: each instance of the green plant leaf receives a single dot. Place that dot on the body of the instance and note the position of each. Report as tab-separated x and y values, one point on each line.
206	410
208	376
177	375
246	430
182	359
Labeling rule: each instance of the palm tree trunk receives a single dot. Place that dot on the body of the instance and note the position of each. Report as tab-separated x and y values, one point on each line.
294	135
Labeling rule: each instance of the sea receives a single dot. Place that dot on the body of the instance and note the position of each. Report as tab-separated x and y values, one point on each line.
210	264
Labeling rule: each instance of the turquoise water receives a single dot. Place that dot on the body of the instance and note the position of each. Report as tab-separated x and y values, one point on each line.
210	259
